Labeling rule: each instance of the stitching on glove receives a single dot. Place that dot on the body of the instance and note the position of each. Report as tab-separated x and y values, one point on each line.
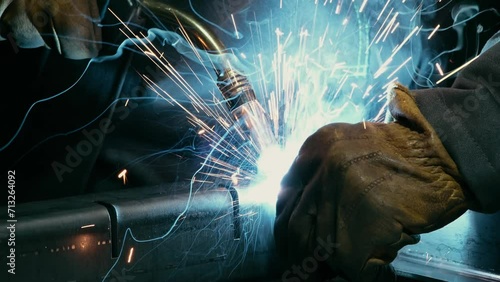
347	164
348	138
347	210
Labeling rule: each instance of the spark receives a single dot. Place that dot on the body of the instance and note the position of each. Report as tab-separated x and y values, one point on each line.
383	9
339	7
363	6
394	28
407	38
382	111
383	68
419	29
123	175
433	31
379	30
367	92
440	70
235	27
457	70
387	29
398	68
417	11
130	254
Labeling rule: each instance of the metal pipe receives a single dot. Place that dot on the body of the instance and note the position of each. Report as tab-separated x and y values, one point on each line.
174	237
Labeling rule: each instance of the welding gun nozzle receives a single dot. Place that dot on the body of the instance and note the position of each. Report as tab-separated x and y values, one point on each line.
245	108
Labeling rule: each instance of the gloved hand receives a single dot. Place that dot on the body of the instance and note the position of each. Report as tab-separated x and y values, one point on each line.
68	26
358	193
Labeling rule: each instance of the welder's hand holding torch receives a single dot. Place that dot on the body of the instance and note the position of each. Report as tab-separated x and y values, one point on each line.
71	27
358	193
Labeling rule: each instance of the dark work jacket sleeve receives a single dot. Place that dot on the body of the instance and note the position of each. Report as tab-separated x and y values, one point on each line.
466	117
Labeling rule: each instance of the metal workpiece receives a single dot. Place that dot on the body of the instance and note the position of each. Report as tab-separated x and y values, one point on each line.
466	250
178	232
148	234
58	240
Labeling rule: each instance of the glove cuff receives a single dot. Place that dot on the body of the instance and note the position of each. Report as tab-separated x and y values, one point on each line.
403	109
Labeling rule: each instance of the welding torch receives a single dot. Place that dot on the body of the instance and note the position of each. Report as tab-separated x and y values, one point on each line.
249	116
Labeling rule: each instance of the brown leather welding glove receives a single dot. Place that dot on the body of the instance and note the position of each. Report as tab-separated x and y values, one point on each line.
358	193
68	26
